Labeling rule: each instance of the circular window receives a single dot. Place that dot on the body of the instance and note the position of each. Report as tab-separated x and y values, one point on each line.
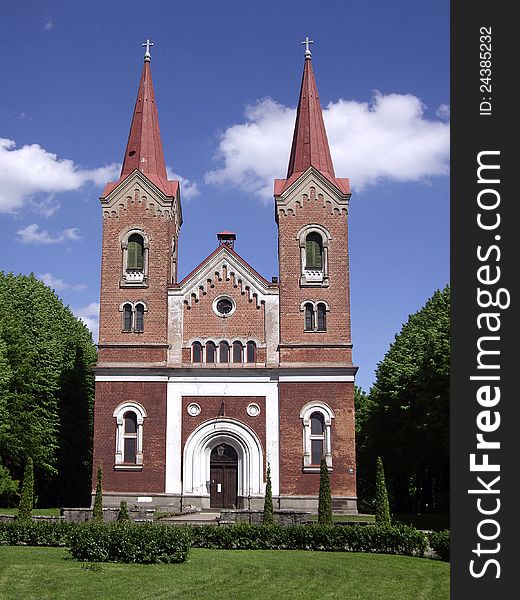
224	306
193	409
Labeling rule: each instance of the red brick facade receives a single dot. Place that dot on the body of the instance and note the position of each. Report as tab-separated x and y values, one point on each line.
262	409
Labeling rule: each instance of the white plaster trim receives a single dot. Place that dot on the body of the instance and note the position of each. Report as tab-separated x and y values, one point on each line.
150	378
213	378
173	482
315	378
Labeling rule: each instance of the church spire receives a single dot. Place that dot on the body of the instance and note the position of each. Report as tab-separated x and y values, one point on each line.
144	149
310	146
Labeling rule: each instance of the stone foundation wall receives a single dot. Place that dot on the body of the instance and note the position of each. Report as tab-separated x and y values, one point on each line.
282	517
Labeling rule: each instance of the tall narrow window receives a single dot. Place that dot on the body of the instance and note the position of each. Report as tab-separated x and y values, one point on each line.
135	256
309	317
238	350
251	352
139	317
317	438
130	437
314	251
127	317
322	317
224	352
211	352
196	355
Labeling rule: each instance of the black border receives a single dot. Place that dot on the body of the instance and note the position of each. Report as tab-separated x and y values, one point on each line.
471	134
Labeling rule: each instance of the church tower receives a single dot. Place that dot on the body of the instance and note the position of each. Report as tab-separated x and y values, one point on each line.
141	221
311	207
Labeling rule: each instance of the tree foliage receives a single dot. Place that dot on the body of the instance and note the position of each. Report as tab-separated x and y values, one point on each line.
268	516
122	515
324	498
406	420
382	507
46	391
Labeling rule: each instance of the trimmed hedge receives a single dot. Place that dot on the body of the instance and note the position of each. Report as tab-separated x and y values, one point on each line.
35	533
127	543
440	543
369	538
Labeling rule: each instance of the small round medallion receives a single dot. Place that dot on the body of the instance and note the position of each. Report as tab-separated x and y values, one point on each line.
253	410
193	409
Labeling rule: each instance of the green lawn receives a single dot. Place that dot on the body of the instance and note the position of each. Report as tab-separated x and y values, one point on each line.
50	573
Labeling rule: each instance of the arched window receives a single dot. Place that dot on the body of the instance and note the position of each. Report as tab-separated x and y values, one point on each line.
317	438
314	251
251	352
196	352
139	317
238	351
322	317
129	435
135	253
317	443
224	352
309	317
211	352
127	317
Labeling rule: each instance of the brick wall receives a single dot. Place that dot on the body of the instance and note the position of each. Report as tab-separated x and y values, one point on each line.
340	397
152	396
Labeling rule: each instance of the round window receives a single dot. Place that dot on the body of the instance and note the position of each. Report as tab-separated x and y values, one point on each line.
224	306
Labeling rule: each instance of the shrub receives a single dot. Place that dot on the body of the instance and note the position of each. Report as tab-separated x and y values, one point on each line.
370	538
27	494
97	512
35	533
128	543
122	515
268	516
381	501
324	500
440	543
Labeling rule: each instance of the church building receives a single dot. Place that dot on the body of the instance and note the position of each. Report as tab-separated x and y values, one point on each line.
202	383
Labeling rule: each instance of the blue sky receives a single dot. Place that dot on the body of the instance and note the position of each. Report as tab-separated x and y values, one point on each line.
227	77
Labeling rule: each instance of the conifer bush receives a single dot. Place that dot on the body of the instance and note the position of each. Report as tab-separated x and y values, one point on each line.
97	513
27	494
325	499
268	516
122	515
382	508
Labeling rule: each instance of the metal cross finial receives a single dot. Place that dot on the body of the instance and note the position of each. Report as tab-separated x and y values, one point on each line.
307	41
147	55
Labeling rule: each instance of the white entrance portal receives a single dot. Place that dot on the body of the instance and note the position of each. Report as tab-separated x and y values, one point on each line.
197	453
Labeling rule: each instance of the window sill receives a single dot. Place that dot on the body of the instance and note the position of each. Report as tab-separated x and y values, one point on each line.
315	469
128	467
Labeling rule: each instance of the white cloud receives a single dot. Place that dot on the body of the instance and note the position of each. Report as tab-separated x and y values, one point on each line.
32	234
48	25
90	316
31	170
58	284
387	138
189	189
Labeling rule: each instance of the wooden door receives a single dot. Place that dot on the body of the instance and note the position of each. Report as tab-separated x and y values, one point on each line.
223	474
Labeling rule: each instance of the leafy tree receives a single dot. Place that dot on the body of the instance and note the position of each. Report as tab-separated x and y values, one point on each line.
27	495
97	513
122	515
268	517
325	499
381	501
408	412
46	390
8	487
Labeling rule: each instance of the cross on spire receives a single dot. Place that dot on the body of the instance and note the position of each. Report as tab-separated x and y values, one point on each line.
307	42
147	55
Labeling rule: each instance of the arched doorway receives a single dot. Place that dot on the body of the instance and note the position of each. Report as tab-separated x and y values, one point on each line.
223	477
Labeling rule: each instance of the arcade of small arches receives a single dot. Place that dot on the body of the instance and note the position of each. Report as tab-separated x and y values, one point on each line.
224	352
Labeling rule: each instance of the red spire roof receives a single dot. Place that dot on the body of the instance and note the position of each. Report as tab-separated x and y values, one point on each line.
144	149
310	146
